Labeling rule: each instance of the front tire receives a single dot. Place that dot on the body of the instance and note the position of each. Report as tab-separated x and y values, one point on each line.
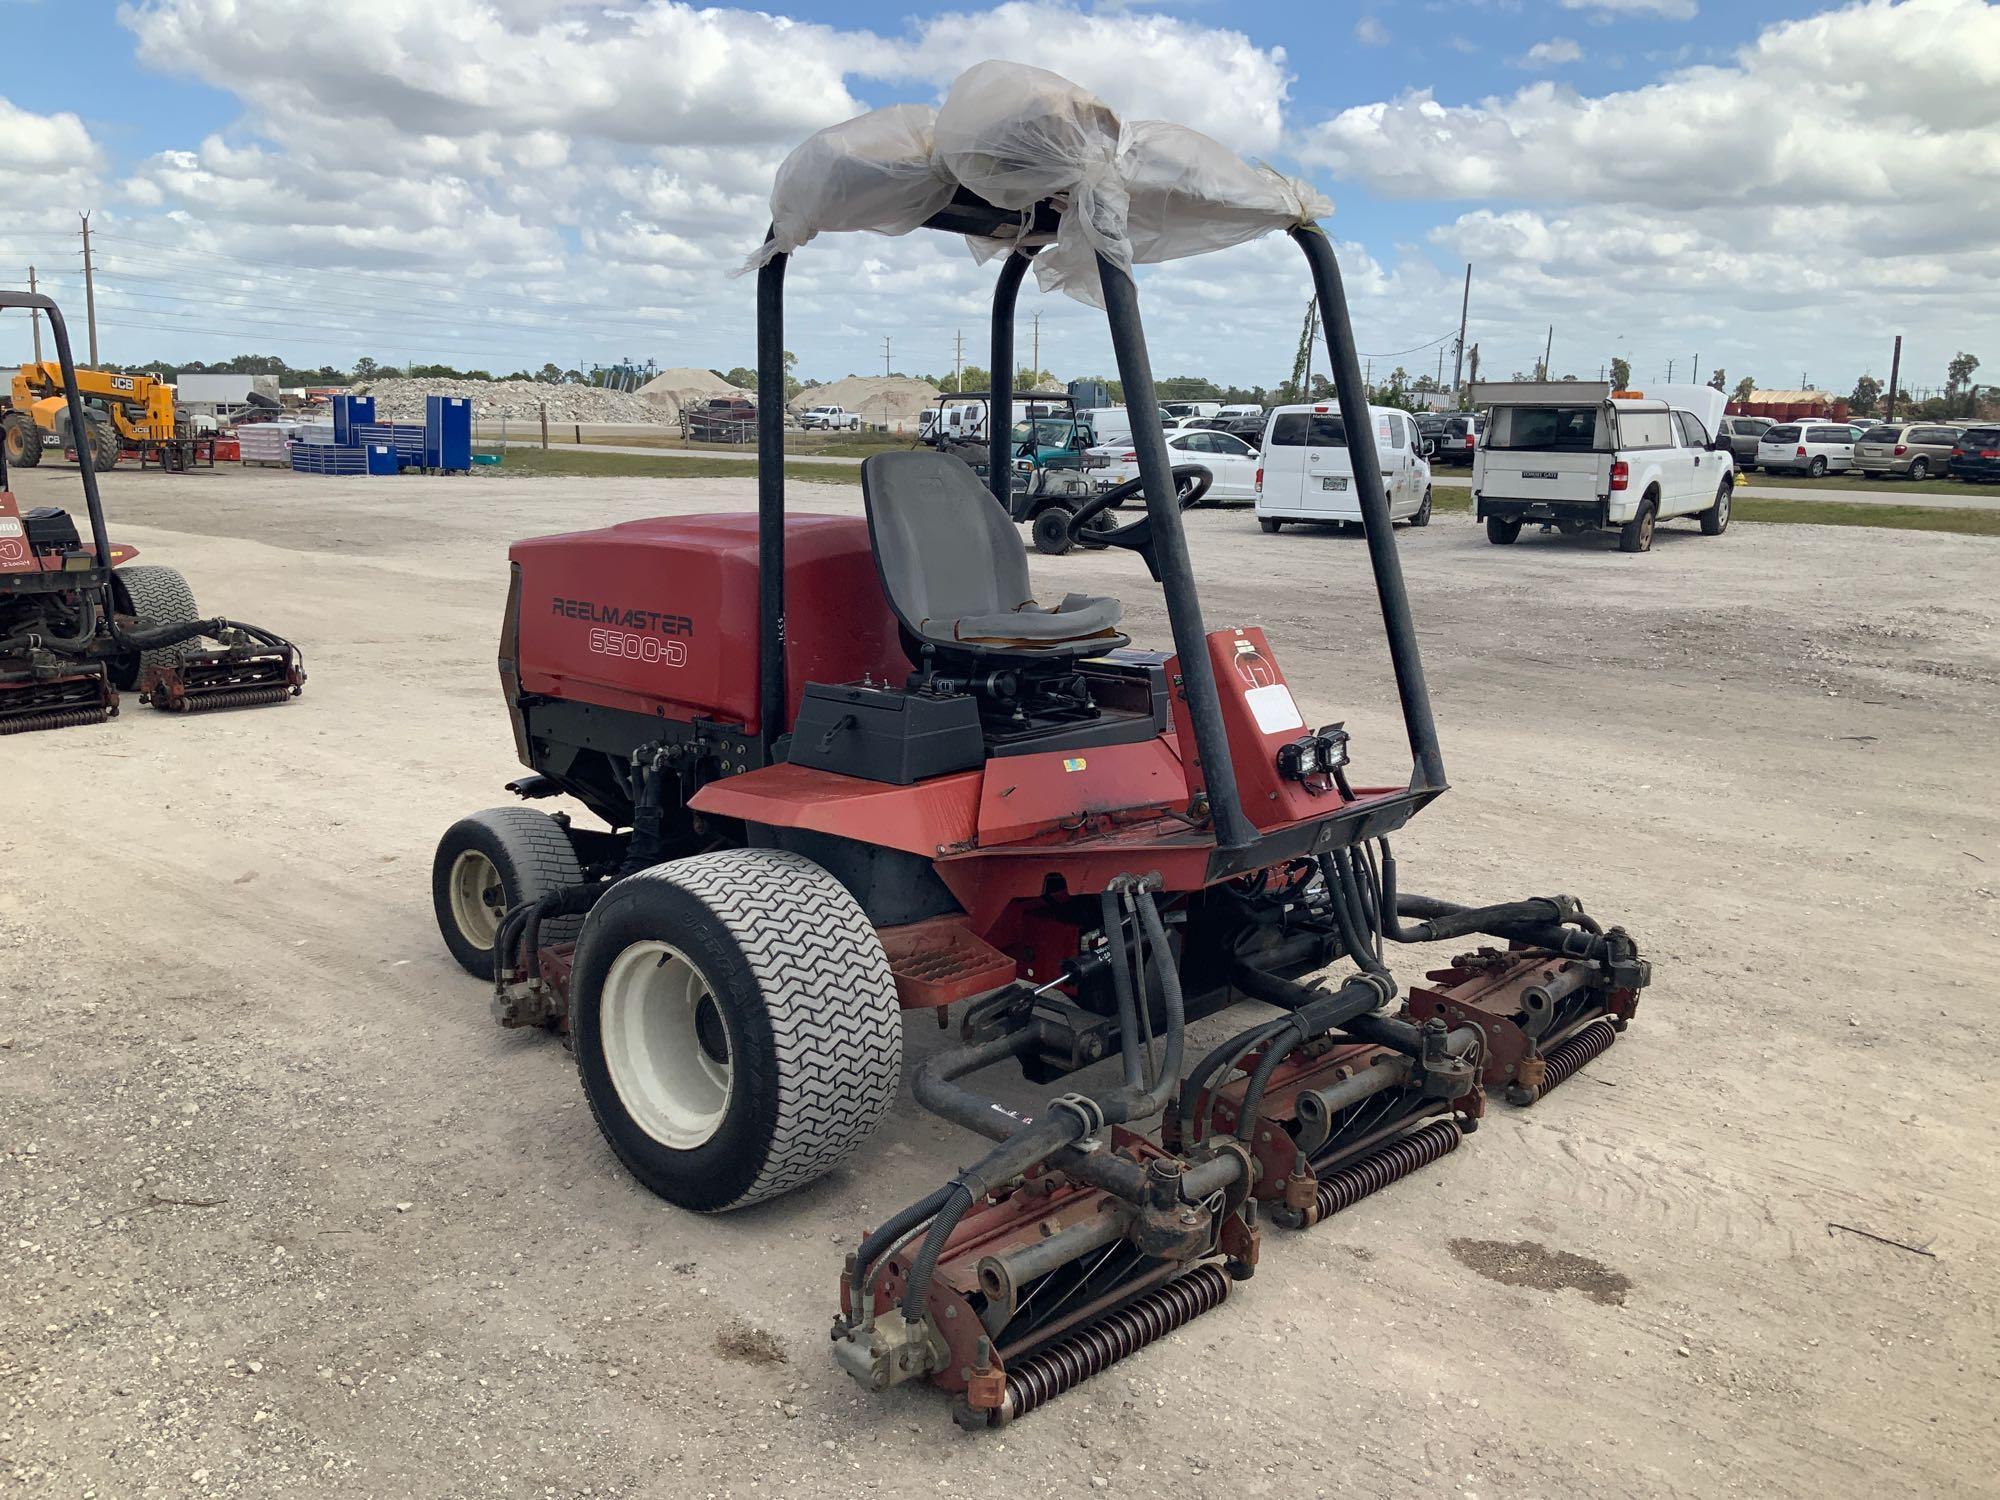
1502	532
488	864
154	596
1050	530
735	1024
1636	535
1715	520
1423	515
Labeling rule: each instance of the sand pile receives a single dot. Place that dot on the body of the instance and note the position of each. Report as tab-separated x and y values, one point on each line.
675	389
882	400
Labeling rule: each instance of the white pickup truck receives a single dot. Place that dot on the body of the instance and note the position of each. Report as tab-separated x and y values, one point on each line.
1577	456
829	419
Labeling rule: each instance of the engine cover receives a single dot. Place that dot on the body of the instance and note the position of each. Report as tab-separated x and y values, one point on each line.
660	616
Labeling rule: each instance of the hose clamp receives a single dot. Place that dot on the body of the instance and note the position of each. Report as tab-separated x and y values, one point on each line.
1086	1111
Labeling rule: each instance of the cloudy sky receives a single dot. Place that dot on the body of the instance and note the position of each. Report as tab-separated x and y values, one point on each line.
1777	188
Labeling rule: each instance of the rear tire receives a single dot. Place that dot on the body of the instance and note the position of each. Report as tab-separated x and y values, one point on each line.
491	862
1715	520
1271	524
1816	469
1051	532
1501	532
1636	535
23	440
735	1024
155	596
1920	468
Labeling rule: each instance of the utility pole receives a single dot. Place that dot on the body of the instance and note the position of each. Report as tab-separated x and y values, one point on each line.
1670	372
885	355
958	363
1548	352
1037	364
1458	359
35	317
1895	364
89	292
1696	377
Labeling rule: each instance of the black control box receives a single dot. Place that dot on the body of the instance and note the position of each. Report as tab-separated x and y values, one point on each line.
885	734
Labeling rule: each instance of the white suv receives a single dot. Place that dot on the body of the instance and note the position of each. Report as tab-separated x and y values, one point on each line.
1813	448
1569	455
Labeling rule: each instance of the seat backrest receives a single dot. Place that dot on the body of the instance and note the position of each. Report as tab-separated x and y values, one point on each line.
944	546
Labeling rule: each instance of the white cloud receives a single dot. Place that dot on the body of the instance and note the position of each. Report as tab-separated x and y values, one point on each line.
1724	196
1671	10
1551	54
606	160
1370	32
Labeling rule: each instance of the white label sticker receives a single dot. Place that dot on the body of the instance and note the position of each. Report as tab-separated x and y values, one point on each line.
1274	708
10	526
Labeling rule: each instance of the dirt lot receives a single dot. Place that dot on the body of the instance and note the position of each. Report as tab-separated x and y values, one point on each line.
281	1211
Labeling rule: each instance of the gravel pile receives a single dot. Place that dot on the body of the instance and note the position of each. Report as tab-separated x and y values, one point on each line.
521	400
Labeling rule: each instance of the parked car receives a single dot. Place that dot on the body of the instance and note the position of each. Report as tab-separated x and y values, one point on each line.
1975	457
1459	437
1246	428
1570	455
1231	463
1181	410
1743	433
1307	474
1813	448
829	419
1911	450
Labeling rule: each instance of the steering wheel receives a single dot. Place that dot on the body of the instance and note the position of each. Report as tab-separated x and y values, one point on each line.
1191	482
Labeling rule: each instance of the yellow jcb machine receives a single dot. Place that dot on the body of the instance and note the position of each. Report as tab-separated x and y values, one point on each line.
124	413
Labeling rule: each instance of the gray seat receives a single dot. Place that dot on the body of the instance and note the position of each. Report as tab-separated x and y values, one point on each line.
956	572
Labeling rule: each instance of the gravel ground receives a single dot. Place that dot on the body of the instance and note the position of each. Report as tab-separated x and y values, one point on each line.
282	1212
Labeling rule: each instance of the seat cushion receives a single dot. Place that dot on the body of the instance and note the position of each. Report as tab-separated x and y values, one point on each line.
1080	617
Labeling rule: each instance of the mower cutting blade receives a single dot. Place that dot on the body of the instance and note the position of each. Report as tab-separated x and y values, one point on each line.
1042	1286
82	695
1339	1121
233	677
1543	1015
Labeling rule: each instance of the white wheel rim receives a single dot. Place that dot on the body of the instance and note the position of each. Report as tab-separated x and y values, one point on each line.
1722	509
478	900
656	1009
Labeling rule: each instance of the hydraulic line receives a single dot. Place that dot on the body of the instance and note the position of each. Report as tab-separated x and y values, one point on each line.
1121	983
1066	1122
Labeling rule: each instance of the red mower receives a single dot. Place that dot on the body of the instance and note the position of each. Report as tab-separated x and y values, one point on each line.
80	621
848	767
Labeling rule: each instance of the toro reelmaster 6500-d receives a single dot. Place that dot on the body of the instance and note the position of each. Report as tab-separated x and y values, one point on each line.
79	622
848	767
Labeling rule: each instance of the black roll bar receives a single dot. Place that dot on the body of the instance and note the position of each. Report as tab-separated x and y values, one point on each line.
1170	551
771	675
1170	554
78	426
1427	769
1000	390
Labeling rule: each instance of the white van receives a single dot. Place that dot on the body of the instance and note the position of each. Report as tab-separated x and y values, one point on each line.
1112	425
1574	456
1308	475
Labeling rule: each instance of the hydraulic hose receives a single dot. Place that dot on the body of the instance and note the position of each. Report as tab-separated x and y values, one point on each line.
1537	920
1339	888
1066	1122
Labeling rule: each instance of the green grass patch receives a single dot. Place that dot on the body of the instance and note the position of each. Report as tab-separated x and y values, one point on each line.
584	464
1747	507
1833	484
